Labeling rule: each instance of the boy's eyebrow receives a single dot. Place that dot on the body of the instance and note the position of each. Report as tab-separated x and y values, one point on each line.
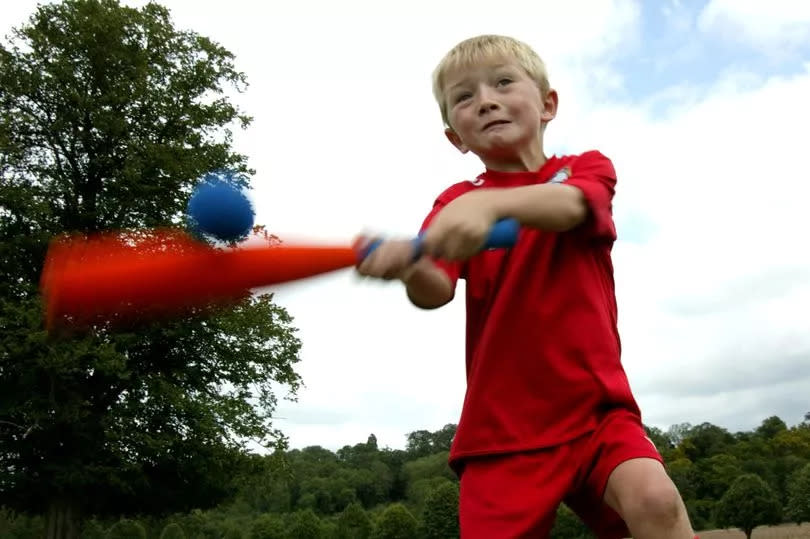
465	80
462	82
507	67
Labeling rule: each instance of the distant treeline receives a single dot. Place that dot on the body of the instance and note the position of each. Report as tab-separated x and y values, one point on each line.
364	491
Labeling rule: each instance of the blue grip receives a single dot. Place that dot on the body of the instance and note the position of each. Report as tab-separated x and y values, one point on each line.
504	233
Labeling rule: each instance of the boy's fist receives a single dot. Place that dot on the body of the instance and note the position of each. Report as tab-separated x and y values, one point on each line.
390	260
461	228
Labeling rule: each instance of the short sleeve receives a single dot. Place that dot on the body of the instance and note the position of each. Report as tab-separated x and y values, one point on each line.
594	175
453	269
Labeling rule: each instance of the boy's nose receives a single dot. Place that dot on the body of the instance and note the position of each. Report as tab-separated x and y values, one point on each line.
487	101
487	105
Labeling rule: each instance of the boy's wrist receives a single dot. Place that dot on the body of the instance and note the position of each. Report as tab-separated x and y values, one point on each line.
406	275
500	203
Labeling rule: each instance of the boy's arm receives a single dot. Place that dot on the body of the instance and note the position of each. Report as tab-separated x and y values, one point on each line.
431	283
585	198
427	285
553	207
585	195
547	206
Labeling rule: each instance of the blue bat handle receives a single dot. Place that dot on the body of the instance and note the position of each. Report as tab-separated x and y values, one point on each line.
504	233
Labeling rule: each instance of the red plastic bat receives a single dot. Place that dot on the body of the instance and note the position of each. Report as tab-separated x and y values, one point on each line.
115	277
126	276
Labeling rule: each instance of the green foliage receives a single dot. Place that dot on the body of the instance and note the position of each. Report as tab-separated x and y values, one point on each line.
798	505
329	529
677	433
784	468
172	531
794	442
264	486
267	526
233	532
353	523
108	117
771	427
304	525
419	491
701	513
440	516
396	522
428	493
315	475
748	503
716	474
93	529
126	529
568	525
327	482
429	466
421	443
443	438
706	440
14	525
685	475
661	439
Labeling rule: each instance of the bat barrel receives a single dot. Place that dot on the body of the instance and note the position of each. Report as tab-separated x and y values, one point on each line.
100	279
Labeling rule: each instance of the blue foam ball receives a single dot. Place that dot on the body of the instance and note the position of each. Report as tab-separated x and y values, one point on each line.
219	208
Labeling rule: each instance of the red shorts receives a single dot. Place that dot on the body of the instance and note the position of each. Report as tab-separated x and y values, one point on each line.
516	496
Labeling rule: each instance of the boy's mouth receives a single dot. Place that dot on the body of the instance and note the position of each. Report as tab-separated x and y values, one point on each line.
494	123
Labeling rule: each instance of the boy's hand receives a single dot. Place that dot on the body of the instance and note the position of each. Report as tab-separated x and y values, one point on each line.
390	260
460	229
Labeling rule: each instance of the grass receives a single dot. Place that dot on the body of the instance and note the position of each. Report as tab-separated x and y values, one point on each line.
785	531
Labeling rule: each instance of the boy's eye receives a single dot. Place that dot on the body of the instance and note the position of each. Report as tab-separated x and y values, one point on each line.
504	81
461	97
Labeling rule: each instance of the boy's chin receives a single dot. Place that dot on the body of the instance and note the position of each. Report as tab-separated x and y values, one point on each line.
500	152
505	148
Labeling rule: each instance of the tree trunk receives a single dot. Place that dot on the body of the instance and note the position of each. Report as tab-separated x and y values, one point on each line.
63	520
748	533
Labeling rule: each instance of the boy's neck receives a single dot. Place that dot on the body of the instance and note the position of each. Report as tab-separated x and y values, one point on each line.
530	159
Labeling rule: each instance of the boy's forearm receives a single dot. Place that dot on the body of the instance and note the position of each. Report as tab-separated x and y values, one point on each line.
553	207
427	286
548	207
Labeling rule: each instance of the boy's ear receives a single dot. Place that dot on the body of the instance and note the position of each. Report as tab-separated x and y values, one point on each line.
550	103
455	140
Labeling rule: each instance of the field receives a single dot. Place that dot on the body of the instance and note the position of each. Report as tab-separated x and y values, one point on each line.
773	532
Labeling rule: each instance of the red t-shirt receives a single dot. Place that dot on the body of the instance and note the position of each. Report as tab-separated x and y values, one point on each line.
543	349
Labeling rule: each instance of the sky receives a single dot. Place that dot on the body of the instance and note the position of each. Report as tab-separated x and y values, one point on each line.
703	108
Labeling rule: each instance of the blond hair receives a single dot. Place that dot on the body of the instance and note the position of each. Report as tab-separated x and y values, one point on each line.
484	47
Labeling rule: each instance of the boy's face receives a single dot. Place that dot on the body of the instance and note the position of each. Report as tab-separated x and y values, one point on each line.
496	111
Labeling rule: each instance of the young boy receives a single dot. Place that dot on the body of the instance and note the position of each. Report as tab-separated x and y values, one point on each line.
548	416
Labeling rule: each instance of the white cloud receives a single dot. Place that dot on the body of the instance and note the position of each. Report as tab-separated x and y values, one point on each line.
347	137
774	24
718	300
732	408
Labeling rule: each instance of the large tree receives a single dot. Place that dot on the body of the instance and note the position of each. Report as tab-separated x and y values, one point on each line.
748	503
108	116
798	506
440	515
